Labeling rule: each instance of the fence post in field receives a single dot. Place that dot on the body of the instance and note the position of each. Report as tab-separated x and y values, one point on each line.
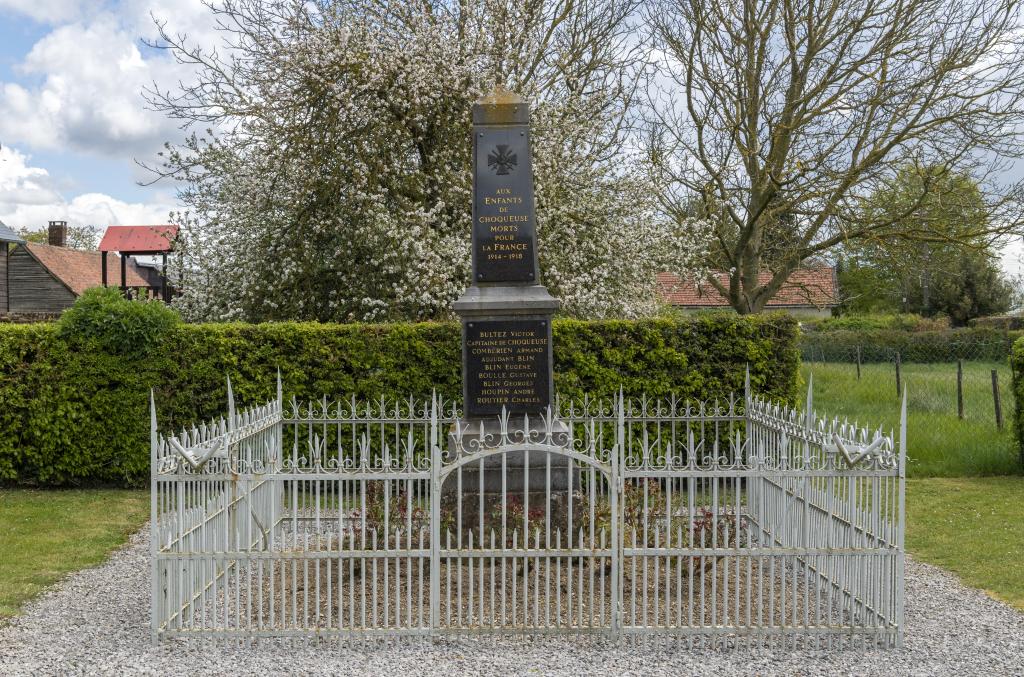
858	363
898	386
995	399
960	389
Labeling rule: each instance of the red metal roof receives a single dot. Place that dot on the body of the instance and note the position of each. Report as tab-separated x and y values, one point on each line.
806	288
79	270
139	239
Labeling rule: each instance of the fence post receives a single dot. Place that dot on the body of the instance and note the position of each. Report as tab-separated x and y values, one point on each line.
155	610
232	507
899	387
435	519
960	389
858	363
995	399
901	526
615	492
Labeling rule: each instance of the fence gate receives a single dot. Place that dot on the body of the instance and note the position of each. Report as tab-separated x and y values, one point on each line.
737	523
527	526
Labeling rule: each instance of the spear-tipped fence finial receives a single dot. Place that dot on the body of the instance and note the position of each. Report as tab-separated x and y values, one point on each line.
152	423
280	390
809	414
231	405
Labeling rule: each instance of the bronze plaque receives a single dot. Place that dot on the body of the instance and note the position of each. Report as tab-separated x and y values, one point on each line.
507	363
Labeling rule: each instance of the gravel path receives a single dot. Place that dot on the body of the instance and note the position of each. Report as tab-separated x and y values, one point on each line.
97	622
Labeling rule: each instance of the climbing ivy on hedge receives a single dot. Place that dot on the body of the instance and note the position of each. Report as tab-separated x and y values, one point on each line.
74	411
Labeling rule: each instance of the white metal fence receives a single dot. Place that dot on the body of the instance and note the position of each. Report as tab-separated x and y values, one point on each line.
741	523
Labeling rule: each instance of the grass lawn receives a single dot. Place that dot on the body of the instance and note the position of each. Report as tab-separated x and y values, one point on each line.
47	534
939	443
973	527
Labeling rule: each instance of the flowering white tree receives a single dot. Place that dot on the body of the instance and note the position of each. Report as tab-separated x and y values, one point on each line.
333	181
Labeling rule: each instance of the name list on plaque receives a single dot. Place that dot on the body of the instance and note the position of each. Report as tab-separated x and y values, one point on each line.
503	211
507	363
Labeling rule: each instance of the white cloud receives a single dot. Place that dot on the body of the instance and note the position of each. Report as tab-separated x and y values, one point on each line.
80	86
29	199
182	17
89	94
50	11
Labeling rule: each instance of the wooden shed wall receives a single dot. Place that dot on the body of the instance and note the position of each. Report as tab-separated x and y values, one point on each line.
4	307
32	288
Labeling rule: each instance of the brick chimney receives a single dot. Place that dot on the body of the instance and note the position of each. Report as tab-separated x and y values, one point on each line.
58	234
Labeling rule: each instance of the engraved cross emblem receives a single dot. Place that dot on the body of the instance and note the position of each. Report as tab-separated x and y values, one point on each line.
502	160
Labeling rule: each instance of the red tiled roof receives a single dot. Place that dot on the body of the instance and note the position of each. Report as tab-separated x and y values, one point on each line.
806	287
138	239
81	270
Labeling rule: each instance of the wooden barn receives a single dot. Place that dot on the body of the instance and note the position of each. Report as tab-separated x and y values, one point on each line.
47	278
7	238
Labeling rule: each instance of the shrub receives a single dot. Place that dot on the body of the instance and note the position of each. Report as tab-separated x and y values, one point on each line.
1004	322
898	321
1017	366
74	400
103	319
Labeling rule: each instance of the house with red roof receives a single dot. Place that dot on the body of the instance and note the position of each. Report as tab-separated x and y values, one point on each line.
809	292
44	279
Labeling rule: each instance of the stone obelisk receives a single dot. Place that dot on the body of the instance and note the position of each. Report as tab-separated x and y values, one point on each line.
506	312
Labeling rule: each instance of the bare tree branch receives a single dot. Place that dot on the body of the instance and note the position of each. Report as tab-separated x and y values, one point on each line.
784	115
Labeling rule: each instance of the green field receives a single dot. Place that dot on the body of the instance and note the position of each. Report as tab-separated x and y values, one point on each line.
45	535
939	443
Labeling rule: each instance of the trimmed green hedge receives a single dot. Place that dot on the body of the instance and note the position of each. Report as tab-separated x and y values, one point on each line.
1017	367
73	410
918	346
874	322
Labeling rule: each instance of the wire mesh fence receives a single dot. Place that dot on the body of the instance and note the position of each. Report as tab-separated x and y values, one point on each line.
976	388
960	395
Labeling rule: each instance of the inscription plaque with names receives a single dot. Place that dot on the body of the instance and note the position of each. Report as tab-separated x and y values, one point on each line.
503	207
508	362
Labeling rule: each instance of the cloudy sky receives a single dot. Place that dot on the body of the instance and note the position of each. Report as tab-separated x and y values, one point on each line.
72	120
73	123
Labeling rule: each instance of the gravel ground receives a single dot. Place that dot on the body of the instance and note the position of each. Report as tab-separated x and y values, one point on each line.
97	622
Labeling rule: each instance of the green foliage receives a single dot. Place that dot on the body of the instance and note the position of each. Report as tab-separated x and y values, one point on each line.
864	288
1017	366
862	322
103	319
73	412
938	263
881	345
1004	322
86	238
